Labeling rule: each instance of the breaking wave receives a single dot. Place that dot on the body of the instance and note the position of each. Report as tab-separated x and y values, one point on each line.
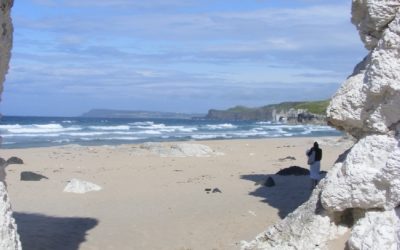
31	132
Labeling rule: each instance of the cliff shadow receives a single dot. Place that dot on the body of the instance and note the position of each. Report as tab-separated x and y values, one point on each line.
288	193
44	232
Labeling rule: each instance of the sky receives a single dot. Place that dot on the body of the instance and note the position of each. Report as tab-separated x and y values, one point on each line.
70	56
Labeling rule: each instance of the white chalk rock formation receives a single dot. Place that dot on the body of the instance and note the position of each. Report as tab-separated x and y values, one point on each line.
298	229
376	230
368	101
80	187
368	178
364	187
9	239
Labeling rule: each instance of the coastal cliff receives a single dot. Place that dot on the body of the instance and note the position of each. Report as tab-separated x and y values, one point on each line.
361	194
8	229
288	112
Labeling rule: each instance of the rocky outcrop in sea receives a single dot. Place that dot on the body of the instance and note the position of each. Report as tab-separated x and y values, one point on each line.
361	194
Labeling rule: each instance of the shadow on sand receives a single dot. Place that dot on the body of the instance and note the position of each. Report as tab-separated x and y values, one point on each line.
288	193
43	232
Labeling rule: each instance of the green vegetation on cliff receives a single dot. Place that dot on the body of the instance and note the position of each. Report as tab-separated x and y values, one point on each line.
266	113
317	107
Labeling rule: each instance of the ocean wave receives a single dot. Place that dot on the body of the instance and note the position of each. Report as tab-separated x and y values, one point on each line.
119	127
10	126
37	128
160	127
31	135
122	138
126	138
220	126
103	132
151	126
147	123
264	123
7	142
210	136
62	141
150	132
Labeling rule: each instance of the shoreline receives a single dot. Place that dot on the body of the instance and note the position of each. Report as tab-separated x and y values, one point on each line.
153	201
171	141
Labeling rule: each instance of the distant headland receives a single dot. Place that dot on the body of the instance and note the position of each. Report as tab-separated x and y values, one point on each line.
287	112
109	113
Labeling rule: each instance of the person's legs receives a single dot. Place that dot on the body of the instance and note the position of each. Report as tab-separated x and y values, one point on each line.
314	174
313	183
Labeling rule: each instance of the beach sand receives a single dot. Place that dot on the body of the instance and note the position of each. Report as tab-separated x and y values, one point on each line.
150	201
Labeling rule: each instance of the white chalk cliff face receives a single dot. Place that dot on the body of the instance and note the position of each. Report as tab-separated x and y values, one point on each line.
362	192
9	239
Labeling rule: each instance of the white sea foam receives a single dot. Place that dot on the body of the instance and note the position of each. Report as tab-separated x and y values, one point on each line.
30	135
71	131
7	143
209	136
122	138
151	125
15	126
37	128
150	132
87	133
147	123
220	126
119	127
62	141
187	129
263	123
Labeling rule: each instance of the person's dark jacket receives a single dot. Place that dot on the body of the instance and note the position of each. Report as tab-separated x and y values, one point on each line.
318	153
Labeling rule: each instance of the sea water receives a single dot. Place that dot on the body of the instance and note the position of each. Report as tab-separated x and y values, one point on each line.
24	132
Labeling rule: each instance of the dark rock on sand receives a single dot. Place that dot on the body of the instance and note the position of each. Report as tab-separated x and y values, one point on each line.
31	176
293	170
2	162
291	158
269	182
15	160
216	190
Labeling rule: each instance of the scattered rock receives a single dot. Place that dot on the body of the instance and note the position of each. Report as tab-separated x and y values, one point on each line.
80	187
290	158
293	170
269	182
15	160
2	162
252	213
216	190
31	176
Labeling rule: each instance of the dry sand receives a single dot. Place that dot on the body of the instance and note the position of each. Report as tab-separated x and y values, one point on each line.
154	202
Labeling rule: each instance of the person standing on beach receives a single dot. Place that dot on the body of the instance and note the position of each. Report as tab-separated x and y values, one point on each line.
314	160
